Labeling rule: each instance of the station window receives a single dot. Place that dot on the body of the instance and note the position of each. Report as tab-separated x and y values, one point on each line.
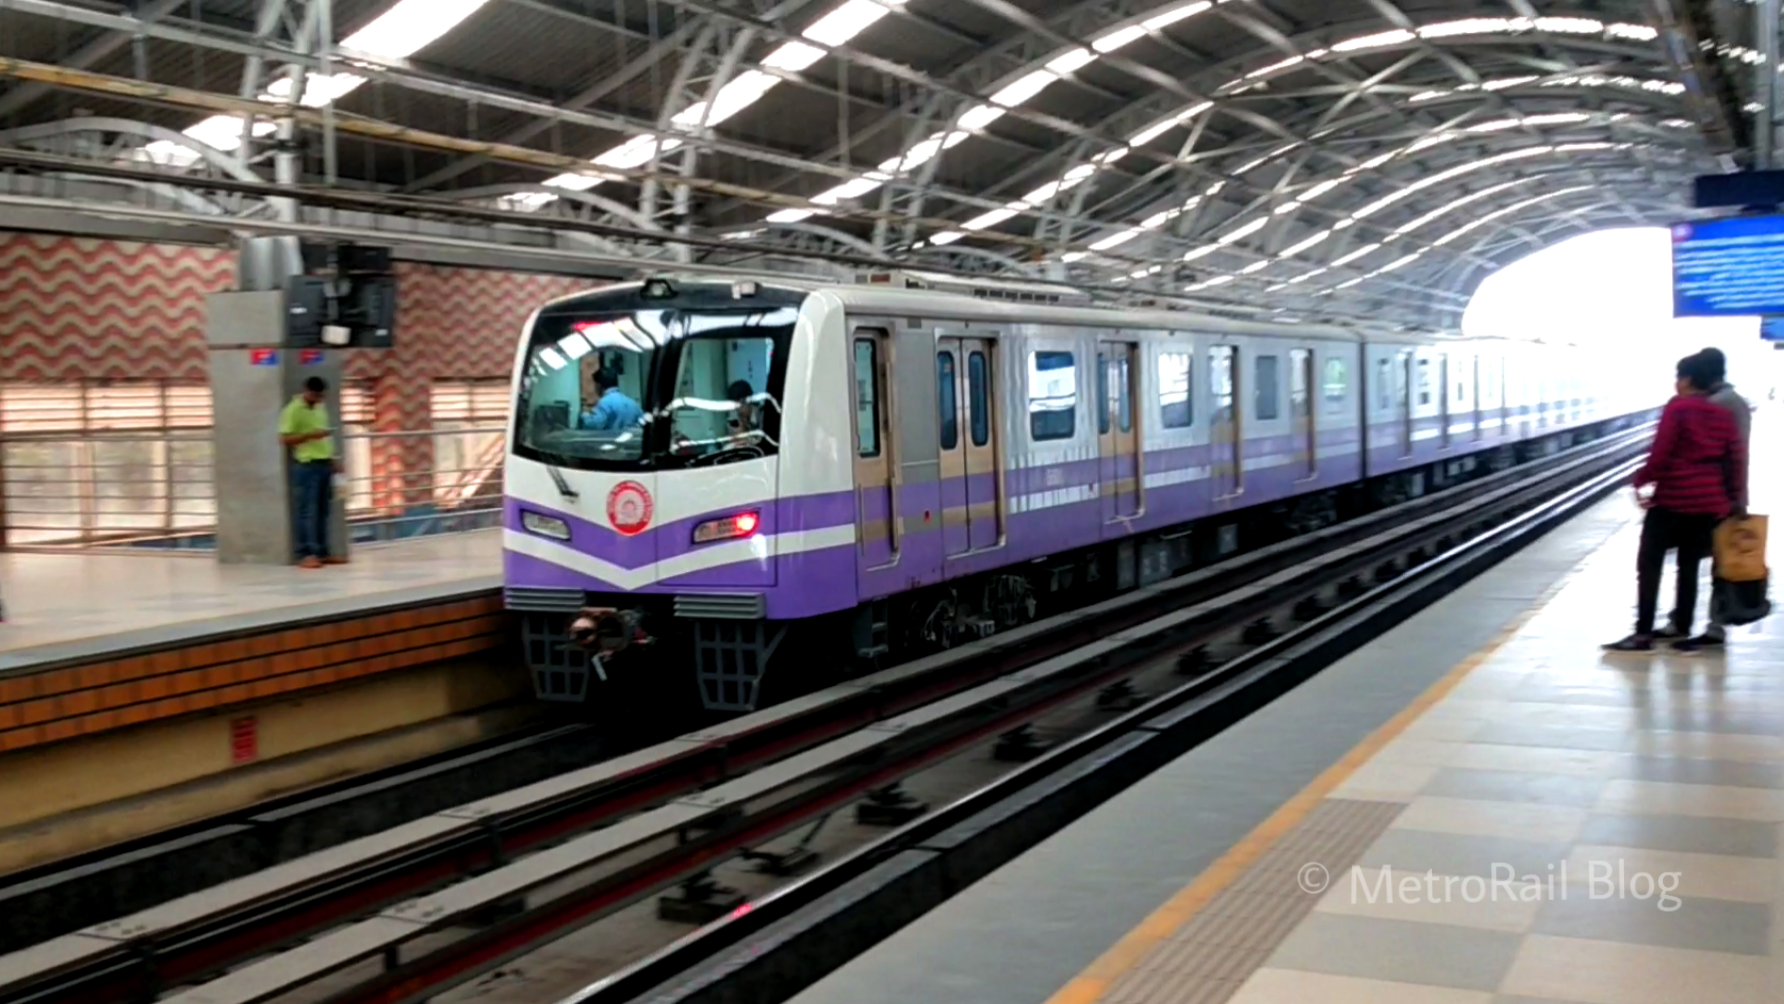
1052	396
947	404
978	390
1336	385
1174	381
1268	403
867	398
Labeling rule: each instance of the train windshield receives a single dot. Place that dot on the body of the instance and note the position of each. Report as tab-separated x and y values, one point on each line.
654	389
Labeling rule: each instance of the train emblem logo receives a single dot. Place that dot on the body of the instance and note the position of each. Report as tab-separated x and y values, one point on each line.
629	507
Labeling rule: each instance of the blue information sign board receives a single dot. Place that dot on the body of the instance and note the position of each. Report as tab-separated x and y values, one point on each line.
1730	267
1772	329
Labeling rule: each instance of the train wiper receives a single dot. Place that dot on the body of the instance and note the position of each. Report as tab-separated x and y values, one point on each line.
554	465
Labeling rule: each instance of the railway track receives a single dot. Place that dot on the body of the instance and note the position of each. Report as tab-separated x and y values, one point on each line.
412	911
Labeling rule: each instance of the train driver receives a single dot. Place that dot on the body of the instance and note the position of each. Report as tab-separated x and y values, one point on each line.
612	409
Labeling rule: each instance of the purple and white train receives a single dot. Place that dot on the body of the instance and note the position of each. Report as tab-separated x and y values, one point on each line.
838	474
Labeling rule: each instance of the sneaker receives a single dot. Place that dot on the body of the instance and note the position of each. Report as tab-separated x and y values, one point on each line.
1633	643
1699	643
1670	633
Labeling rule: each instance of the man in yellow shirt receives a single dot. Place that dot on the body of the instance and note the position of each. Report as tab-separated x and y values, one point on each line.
304	429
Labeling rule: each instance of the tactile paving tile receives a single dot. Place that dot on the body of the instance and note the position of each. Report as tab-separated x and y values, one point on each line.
1211	956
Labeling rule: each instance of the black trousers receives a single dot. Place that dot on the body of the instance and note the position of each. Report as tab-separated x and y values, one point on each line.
1663	530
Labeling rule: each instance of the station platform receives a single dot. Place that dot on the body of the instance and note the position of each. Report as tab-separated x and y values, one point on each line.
94	641
1553	824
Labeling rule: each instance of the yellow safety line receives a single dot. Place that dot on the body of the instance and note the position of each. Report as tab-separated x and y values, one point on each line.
1090	985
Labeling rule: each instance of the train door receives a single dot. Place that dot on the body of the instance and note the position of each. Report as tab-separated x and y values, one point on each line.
1405	381
984	509
1225	436
876	499
956	531
1300	395
1118	434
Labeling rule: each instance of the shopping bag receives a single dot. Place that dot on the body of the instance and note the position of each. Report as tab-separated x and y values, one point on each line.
1740	549
1738	594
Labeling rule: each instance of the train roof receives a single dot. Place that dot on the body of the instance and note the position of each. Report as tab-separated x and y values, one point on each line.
951	305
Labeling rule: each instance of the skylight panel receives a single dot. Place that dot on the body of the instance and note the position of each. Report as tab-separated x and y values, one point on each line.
845	22
573	182
1309	243
1366	249
791	215
1632	32
1175	14
1115	240
1072	61
1264	71
1073	256
635	152
1397	36
1400	263
993	218
946	237
1024	88
793	57
1304	276
851	189
1152	132
1201	252
1255	267
742	91
1473	26
1570	25
405	29
980	116
224	132
1243	232
1118	38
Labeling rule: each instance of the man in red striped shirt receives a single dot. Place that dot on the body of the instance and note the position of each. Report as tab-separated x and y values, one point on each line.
1697	468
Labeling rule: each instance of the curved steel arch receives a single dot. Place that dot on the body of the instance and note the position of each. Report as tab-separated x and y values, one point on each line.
228	163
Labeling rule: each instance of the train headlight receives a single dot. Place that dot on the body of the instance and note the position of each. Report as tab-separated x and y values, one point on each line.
543	525
733	527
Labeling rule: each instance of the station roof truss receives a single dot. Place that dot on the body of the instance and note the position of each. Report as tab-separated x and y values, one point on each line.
1326	158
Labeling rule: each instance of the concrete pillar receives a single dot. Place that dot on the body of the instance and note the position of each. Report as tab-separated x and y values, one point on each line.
253	375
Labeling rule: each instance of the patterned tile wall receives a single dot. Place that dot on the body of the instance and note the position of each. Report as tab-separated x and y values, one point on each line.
74	308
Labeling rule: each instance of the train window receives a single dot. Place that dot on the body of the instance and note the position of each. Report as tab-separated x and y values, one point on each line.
867	398
978	398
1124	392
1268	403
1336	385
1300	383
1424	381
1102	393
1384	385
946	400
1174	403
1052	396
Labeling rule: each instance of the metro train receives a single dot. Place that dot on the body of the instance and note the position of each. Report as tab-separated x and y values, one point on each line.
830	477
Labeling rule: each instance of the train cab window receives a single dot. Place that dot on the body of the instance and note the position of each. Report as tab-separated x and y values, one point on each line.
1052	396
978	398
1335	385
947	404
867	398
1174	404
1268	403
1424	379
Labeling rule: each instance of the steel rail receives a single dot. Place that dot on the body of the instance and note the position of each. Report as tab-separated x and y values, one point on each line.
429	944
803	931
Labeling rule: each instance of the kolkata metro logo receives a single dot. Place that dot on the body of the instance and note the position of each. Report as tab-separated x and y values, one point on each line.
629	508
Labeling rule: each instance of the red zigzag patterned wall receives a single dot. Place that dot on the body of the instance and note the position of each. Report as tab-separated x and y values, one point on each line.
85	309
76	308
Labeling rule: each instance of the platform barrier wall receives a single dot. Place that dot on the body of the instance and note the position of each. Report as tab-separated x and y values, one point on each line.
68	701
